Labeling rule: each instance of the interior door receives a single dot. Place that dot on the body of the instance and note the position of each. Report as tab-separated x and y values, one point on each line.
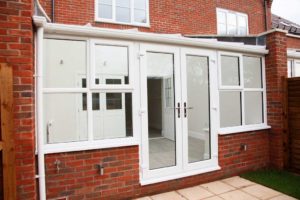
160	99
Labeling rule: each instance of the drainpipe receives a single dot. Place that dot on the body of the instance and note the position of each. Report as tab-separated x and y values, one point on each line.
41	9
53	11
39	107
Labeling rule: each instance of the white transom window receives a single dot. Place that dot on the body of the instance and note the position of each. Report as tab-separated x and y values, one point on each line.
231	23
132	12
241	92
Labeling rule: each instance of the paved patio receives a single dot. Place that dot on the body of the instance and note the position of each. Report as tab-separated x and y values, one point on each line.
235	188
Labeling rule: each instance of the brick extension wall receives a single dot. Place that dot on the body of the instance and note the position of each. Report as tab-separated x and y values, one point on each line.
293	43
167	16
16	49
276	67
78	176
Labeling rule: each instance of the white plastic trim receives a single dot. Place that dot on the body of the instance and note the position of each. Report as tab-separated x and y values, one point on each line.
293	54
241	129
76	30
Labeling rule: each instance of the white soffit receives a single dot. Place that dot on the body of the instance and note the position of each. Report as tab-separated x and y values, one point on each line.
292	53
134	35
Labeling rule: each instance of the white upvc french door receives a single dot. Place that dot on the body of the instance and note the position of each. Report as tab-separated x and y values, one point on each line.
178	112
200	104
159	63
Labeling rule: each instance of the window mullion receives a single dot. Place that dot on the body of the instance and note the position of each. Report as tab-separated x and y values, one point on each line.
241	63
114	10
132	11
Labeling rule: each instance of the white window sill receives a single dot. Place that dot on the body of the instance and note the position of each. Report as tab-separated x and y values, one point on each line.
179	175
89	145
146	25
241	129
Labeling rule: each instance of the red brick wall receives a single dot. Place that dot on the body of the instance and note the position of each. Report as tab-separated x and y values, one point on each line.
78	176
276	67
16	49
293	43
168	16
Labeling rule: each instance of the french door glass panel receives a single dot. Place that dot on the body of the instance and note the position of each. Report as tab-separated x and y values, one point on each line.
197	108
161	110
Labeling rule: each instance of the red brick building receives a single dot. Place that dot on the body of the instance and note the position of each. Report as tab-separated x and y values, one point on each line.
122	99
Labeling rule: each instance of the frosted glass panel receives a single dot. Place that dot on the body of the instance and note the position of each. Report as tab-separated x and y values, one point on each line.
231	19
289	66
198	108
252	72
111	62
242	20
159	64
69	125
64	63
253	107
230	109
230	71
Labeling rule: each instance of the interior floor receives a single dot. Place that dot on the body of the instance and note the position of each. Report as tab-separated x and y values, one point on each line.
162	152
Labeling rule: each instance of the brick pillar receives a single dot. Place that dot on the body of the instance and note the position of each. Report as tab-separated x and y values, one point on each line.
16	49
276	67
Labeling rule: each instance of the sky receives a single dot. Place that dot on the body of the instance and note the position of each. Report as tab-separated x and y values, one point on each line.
288	9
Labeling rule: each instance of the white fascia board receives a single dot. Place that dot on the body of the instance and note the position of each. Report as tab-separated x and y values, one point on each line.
293	54
85	31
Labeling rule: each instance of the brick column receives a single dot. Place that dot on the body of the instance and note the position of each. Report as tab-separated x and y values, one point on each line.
276	67
16	49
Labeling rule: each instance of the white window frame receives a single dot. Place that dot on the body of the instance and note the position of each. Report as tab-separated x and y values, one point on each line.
237	14
242	89
90	144
293	63
114	21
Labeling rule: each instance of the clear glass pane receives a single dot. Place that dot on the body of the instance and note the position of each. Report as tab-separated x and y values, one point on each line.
242	31
140	16
69	125
231	19
64	63
222	29
161	116
289	65
252	72
140	4
253	107
108	67
113	101
198	108
122	14
232	30
230	109
242	21
221	17
111	123
296	72
108	2
230	71
123	3
105	11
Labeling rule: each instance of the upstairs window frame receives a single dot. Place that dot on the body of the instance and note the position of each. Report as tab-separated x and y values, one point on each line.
237	15
132	21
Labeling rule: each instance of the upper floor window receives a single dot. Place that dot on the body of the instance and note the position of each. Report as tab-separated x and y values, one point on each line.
231	23
293	68
132	12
